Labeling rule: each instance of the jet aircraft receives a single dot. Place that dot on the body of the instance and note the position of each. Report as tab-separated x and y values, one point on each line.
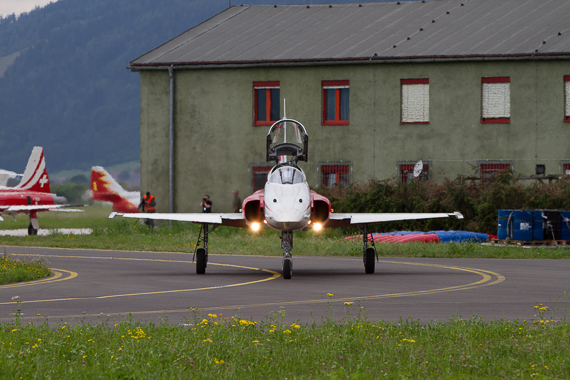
286	203
104	188
32	194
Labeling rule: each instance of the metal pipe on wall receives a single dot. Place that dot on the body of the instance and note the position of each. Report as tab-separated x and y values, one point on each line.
171	138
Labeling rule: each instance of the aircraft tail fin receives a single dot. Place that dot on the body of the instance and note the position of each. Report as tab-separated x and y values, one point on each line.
35	178
105	188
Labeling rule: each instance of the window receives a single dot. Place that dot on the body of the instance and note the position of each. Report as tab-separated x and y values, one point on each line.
415	101
259	177
333	172
564	167
496	100
490	168
406	171
567	97
336	102
266	102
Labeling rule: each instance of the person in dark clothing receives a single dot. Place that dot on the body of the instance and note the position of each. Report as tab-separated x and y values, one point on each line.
148	204
206	204
237	202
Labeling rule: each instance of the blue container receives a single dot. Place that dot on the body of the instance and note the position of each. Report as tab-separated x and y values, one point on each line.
538	225
522	224
564	225
505	229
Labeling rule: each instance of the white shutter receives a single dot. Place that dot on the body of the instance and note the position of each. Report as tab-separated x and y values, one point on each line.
415	103
496	100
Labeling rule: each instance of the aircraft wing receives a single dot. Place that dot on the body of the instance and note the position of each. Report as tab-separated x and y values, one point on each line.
229	219
341	219
39	208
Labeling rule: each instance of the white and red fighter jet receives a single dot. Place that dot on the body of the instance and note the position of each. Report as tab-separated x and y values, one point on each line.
32	194
286	203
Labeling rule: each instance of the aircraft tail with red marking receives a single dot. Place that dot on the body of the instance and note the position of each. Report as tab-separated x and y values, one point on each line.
35	178
104	188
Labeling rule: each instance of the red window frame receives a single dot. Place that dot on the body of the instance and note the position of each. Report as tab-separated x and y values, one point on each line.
566	95
257	86
333	169
494	120
493	169
406	82
333	83
409	168
259	169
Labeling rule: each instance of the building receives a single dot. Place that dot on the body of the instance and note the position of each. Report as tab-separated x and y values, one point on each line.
466	86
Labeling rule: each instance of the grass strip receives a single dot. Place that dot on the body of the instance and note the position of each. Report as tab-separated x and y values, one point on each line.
215	346
123	234
17	270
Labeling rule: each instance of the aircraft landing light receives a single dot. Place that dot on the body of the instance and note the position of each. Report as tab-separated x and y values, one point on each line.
317	226
255	226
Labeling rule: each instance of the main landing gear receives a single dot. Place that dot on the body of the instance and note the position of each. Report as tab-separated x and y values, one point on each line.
34	226
287	245
201	254
368	253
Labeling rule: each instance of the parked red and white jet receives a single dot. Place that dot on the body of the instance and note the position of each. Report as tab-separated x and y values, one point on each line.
104	188
32	194
286	203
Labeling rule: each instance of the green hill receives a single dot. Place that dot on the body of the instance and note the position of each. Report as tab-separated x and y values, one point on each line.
65	85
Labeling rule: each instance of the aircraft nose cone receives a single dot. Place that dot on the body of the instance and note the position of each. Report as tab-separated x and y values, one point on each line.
287	214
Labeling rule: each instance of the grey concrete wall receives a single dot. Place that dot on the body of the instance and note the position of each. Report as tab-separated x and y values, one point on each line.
215	140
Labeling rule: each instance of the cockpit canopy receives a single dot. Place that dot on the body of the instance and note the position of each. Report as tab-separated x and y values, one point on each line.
287	137
286	175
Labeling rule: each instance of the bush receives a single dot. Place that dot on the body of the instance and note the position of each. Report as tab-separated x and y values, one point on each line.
478	202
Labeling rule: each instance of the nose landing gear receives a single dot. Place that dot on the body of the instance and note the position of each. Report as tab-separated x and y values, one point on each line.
287	245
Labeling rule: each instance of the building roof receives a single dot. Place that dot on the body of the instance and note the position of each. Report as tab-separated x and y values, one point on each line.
367	32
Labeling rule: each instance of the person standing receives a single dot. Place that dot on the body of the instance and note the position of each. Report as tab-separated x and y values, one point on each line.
206	204
237	202
148	204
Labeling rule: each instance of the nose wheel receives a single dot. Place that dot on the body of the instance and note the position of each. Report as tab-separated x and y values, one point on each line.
287	245
287	268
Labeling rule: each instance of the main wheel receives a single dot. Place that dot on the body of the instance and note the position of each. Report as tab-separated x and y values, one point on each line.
32	230
287	269
201	261
369	262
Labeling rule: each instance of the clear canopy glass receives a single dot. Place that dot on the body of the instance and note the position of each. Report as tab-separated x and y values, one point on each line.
287	175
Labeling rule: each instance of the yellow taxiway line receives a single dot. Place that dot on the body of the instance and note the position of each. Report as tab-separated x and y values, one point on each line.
486	280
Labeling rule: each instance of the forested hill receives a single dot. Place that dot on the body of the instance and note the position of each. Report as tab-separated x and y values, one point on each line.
69	91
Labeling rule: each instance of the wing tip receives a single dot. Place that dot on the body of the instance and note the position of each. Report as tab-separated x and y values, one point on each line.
457	214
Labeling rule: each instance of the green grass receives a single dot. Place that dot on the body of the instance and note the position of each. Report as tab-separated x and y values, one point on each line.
215	346
16	270
128	234
92	216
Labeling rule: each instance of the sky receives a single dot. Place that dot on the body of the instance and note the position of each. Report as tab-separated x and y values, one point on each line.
7	7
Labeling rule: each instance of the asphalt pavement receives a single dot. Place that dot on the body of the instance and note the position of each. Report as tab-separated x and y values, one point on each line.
96	285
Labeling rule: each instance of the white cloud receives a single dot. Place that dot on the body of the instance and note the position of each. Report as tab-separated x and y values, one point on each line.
7	7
